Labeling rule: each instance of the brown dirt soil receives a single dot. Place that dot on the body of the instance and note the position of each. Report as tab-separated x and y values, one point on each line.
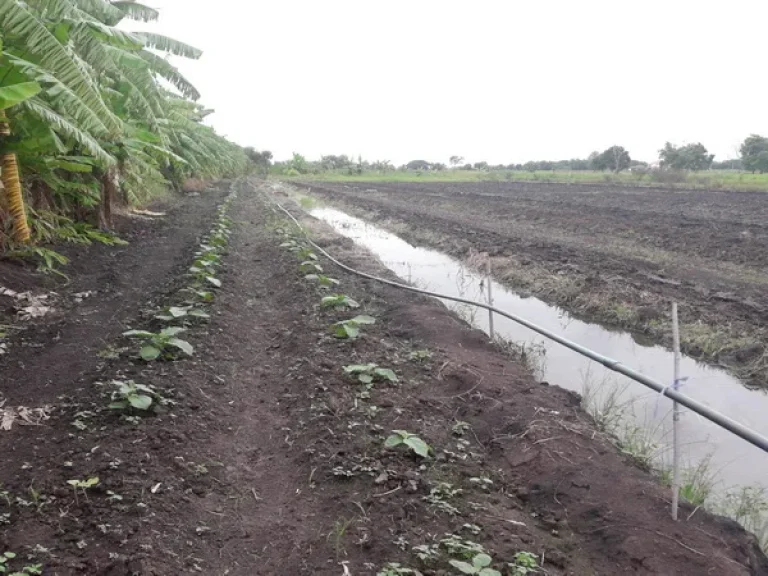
610	254
272	460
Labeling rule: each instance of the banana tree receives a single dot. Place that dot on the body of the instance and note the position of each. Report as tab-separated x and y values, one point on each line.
11	95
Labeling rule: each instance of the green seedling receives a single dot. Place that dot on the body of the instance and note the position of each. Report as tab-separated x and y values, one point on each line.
324	282
202	276
482	481
163	344
427	553
397	569
439	496
413	442
338	301
83	485
172	313
480	565
420	355
369	373
460	428
203	295
131	396
464	549
306	254
350	329
310	267
525	563
28	570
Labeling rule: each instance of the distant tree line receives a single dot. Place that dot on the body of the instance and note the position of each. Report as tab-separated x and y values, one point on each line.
686	157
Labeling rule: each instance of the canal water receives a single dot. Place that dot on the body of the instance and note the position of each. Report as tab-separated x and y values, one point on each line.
733	461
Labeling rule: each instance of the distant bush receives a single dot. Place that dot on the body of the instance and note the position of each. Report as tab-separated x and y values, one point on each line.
292	172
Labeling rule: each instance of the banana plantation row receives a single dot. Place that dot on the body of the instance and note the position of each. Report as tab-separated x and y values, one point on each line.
90	115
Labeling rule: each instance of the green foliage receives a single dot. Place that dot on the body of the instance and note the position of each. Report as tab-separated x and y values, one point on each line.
427	553
204	276
440	495
161	345
525	563
89	109
420	355
397	569
173	313
460	427
338	301
480	565
324	282
132	397
461	548
310	267
754	153
411	441
350	329
369	373
202	295
688	157
29	570
83	485
615	158
48	261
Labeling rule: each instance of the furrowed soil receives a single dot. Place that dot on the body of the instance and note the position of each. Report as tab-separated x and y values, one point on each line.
272	459
614	255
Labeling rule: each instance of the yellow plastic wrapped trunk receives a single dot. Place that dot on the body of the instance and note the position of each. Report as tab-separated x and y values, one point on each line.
12	184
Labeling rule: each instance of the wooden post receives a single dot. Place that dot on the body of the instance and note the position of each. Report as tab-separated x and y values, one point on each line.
675	414
490	298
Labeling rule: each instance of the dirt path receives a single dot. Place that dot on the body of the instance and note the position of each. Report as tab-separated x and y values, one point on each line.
272	461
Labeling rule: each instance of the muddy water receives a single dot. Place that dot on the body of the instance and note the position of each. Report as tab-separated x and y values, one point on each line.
734	461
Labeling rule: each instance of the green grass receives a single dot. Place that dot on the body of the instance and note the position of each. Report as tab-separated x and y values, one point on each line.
713	180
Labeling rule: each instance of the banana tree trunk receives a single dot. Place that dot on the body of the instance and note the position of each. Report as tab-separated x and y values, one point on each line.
108	192
12	185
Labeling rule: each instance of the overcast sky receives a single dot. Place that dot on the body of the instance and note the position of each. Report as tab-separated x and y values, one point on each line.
502	81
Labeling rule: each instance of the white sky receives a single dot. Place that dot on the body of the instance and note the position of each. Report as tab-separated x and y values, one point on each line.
502	81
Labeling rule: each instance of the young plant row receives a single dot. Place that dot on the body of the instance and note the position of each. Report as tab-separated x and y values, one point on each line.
162	342
464	556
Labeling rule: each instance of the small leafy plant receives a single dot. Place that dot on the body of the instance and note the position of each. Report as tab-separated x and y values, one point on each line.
131	396
440	495
338	301
324	282
525	563
203	276
202	295
411	441
306	254
163	344
427	553
83	485
464	549
28	570
292	245
310	267
369	373
350	329
172	313
420	355
480	565
397	569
